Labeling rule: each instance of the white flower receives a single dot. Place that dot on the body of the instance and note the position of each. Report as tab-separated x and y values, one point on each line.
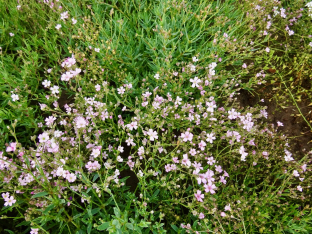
34	231
44	137
119	159
243	153
210	137
140	174
121	90
71	177
54	89
193	68
95	153
14	97
195	82
64	15
152	134
156	76
267	49
10	201
46	83
58	26
295	173
195	59
212	65
210	106
120	149
288	156
11	34
178	101
97	49
74	20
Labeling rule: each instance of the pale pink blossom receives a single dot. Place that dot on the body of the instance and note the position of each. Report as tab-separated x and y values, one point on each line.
199	196
210	187
187	136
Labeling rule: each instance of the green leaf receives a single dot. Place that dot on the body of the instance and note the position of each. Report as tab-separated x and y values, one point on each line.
174	227
40	194
103	226
85	194
9	231
95	210
155	193
50	207
189	188
24	223
95	177
89	229
117	213
129	225
77	216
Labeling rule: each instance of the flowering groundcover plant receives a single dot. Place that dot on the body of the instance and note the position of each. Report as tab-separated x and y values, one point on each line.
171	153
185	151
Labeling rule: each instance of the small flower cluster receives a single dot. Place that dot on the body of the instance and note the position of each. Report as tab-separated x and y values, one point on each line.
8	200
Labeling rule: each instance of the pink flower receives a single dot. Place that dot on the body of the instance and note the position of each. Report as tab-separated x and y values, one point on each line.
168	167
12	147
227	207
69	62
201	216
201	179
199	196
295	173
304	167
187	136
34	231
97	87
185	161
219	169
202	145
223	214
210	187
93	166
175	160
209	175
81	122
279	124
222	180
299	188
50	121
211	161
192	152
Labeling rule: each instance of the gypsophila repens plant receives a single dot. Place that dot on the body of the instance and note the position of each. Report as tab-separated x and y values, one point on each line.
183	151
139	128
